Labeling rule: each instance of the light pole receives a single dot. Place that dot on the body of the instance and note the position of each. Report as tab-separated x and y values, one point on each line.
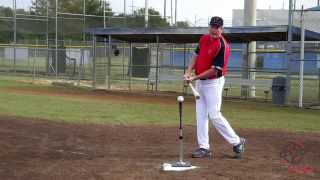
171	17
249	62
175	13
146	13
165	10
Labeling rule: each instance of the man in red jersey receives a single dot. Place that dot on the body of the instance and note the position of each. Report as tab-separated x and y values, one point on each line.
210	66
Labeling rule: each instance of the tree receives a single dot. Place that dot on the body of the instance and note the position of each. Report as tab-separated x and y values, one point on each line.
183	24
71	28
39	7
6	11
6	27
137	19
93	7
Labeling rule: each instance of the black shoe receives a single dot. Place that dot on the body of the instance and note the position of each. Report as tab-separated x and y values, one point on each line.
201	153
239	149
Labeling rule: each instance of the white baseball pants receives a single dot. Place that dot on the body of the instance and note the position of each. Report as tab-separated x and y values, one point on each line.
209	105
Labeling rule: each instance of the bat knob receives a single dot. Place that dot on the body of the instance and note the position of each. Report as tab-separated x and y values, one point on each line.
180	98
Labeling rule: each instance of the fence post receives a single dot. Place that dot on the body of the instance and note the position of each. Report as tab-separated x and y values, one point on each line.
245	71
94	62
14	34
301	60
157	65
318	66
34	61
80	65
33	69
184	65
130	66
28	58
109	61
69	58
123	54
289	49
319	83
56	42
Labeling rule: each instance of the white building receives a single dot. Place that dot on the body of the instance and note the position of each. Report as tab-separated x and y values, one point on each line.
266	17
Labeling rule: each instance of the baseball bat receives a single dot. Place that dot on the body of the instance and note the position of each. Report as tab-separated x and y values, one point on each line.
194	91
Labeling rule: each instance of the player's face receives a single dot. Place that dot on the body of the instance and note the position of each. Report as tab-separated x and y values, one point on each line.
215	31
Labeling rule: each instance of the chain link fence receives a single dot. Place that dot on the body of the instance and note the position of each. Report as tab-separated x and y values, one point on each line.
75	65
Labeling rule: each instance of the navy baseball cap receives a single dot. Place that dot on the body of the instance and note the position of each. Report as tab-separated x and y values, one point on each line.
216	21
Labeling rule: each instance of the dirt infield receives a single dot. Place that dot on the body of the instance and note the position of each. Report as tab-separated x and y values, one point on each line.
40	150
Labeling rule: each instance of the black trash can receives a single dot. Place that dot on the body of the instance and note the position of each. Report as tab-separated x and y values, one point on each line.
279	90
140	63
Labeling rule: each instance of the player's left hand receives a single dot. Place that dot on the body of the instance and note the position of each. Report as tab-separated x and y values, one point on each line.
188	79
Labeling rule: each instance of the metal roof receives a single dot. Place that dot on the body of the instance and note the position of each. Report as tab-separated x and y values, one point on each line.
239	34
316	8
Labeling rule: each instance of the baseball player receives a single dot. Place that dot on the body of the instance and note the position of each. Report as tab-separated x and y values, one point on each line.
209	63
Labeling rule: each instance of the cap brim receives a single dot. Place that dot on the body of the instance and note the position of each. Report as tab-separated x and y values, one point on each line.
215	25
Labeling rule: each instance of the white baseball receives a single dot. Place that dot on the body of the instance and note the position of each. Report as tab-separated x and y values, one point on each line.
180	99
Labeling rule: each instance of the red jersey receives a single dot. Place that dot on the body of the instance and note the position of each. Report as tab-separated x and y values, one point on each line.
212	53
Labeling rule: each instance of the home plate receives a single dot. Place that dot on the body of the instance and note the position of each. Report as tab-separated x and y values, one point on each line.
169	167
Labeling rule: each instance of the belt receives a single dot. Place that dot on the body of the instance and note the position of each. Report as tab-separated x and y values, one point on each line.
207	79
210	78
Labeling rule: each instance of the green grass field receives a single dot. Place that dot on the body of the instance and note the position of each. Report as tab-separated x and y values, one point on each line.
83	110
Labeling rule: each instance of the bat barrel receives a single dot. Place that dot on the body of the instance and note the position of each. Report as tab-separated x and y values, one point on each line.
194	91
